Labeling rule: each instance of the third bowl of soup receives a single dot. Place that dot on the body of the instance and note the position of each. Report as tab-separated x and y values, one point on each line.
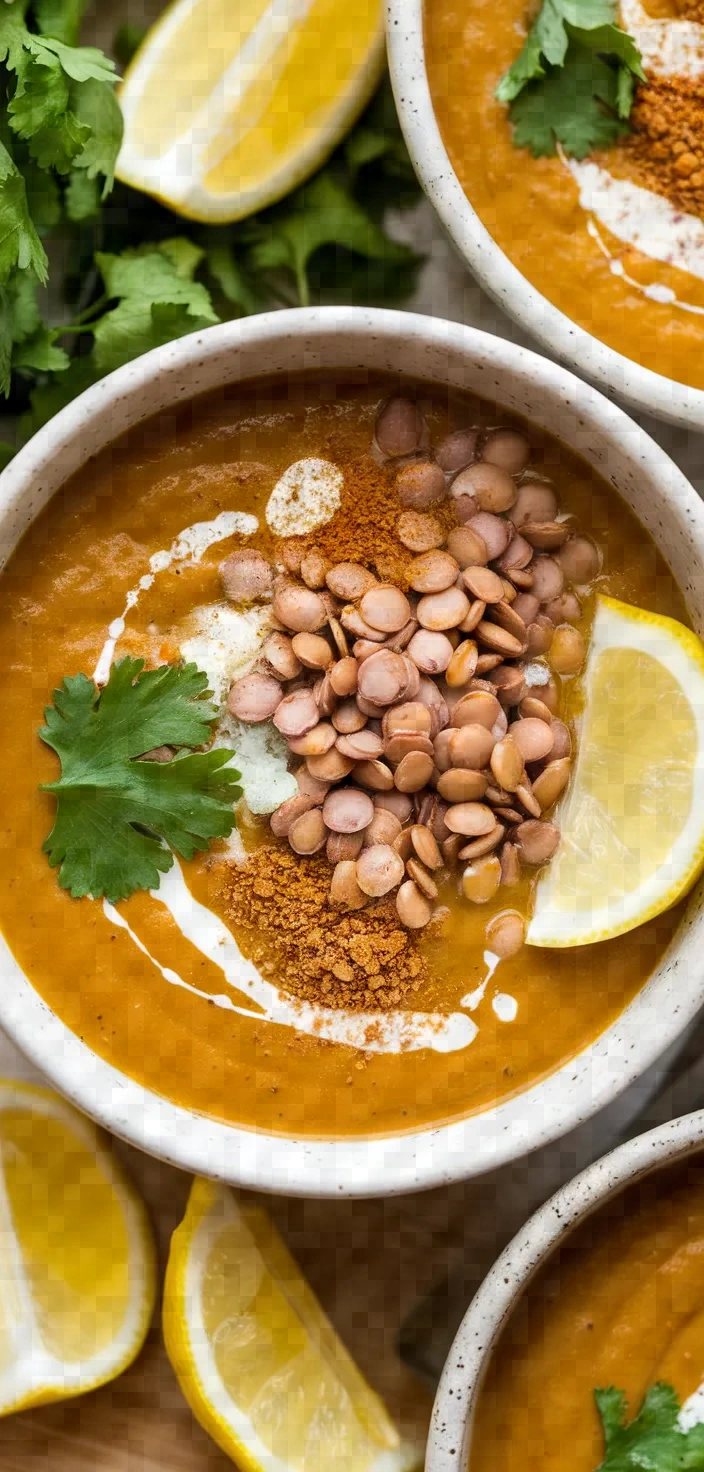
584	1346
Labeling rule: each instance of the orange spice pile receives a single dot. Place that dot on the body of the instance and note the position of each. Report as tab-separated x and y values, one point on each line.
365	527
665	152
361	960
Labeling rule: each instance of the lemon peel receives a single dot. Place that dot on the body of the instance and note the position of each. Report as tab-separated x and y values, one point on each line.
256	1358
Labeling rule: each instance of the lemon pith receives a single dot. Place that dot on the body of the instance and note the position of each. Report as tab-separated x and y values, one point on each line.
257	1360
632	820
79	1280
229	107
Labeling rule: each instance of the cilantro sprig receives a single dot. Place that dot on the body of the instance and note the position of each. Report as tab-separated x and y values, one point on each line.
574	80
116	814
136	275
652	1441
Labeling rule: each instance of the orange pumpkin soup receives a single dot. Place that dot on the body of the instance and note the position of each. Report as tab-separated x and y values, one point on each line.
620	1304
569	225
138	982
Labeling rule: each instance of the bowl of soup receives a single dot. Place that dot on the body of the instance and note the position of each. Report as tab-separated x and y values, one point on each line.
590	1322
328	996
604	271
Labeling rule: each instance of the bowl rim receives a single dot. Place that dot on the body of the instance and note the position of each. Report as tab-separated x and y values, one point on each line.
357	1165
640	387
450	1436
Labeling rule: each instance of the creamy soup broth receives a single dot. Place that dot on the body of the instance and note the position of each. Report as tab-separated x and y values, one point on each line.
102	971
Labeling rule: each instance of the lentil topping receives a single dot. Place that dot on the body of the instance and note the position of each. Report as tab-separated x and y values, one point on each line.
423	698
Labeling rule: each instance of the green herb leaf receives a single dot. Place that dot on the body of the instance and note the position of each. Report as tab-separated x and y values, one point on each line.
60	18
82	197
653	1441
40	353
572	44
158	300
322	213
115	813
97	109
20	246
232	279
576	105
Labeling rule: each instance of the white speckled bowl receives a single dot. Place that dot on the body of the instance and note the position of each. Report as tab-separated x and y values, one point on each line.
321	339
450	1439
614	373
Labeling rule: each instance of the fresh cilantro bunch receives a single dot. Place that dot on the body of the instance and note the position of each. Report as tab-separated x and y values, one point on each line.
652	1441
59	138
115	814
574	80
136	275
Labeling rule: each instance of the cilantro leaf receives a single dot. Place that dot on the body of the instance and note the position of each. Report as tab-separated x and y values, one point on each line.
573	47
97	109
320	213
652	1441
115	813
60	18
157	300
20	245
578	105
82	196
548	38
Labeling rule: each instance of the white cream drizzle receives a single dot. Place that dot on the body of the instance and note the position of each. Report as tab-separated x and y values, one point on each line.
383	1032
372	1032
669	47
692	1411
644	220
189	546
306	496
505	1007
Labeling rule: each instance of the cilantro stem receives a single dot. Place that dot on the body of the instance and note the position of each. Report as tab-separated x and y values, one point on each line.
84	321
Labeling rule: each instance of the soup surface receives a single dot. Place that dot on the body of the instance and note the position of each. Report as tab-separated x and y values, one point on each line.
621	1304
157	985
564	224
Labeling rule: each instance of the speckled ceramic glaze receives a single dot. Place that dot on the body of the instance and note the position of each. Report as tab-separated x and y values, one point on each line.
492	268
450	1439
321	339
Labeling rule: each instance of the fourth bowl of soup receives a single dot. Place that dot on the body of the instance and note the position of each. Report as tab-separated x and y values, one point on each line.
584	1346
567	166
352	751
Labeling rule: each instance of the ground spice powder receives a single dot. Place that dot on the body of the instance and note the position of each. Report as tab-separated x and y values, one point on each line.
665	149
278	906
665	152
364	529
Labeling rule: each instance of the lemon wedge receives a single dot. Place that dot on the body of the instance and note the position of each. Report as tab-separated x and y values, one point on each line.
229	104
257	1360
632	820
78	1277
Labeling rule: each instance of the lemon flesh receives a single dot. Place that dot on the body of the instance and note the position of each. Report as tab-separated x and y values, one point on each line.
229	104
632	821
258	1361
78	1283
